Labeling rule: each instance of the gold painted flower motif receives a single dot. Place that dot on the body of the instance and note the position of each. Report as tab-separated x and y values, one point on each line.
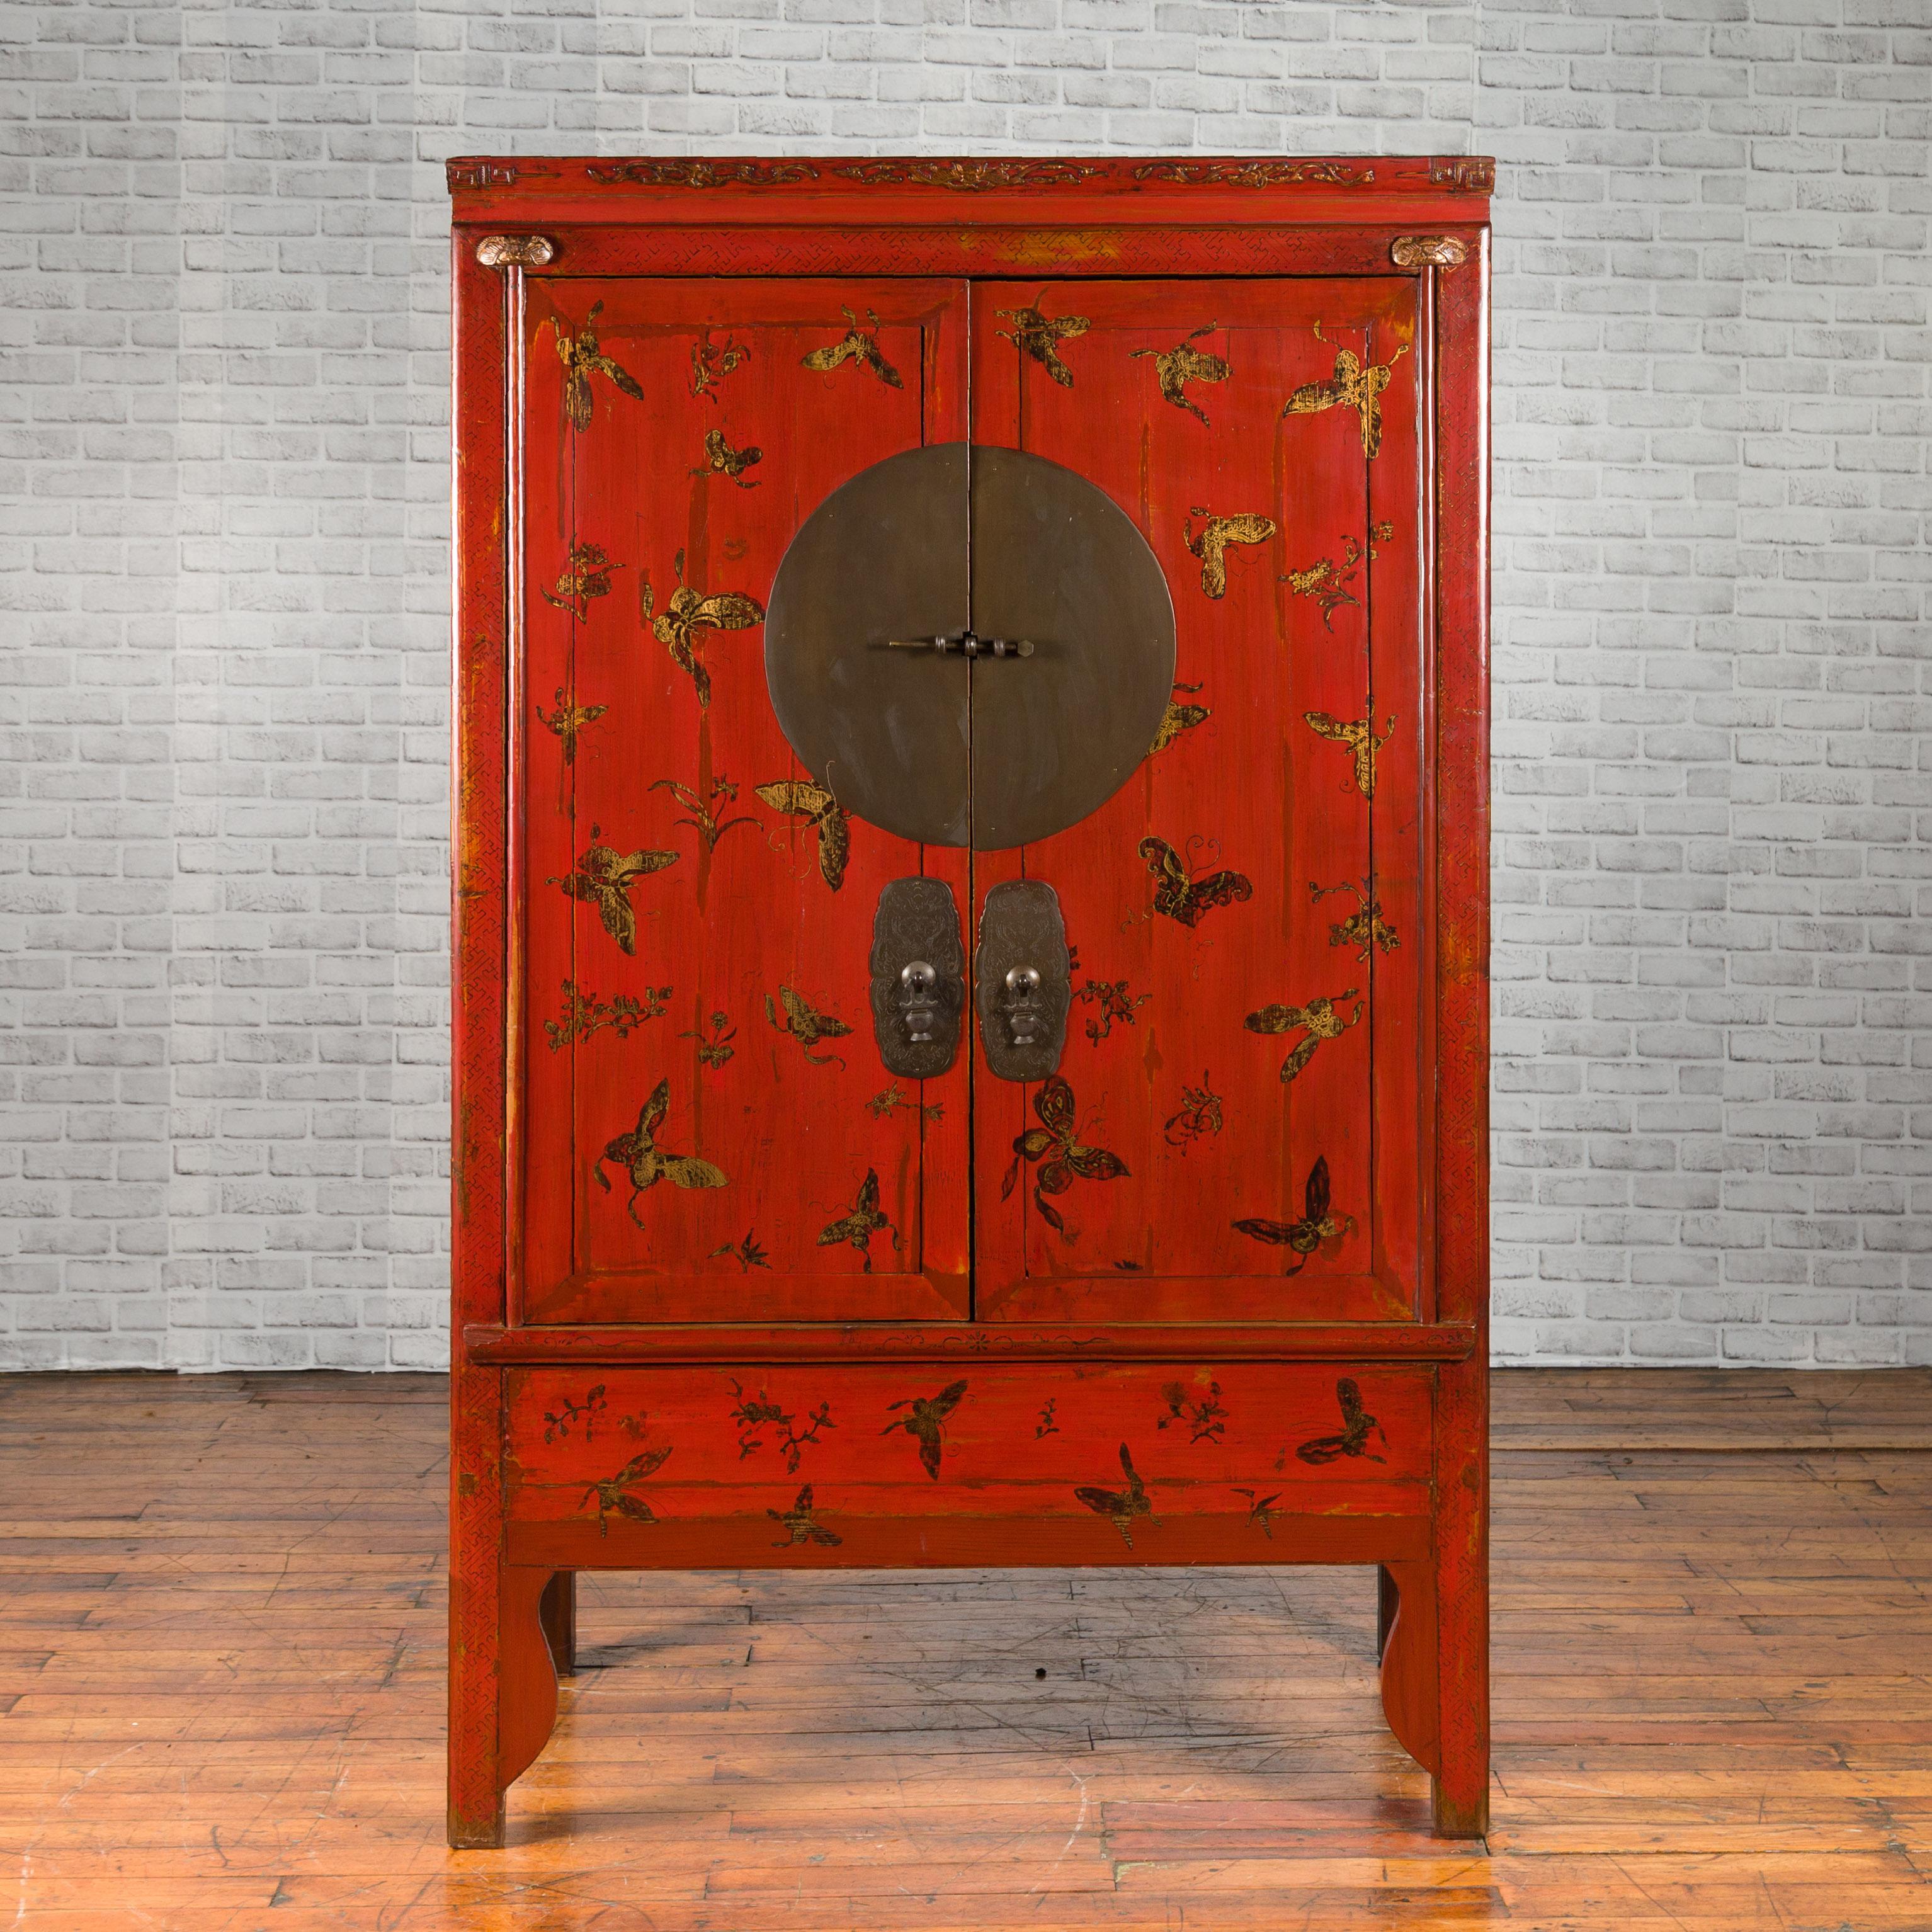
604	877
1210	543
584	1014
639	1156
882	1105
711	362
1364	928
1197	1116
704	819
747	1253
1326	582
714	1049
1064	1158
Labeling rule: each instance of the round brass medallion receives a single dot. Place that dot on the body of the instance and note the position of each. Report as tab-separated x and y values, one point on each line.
970	646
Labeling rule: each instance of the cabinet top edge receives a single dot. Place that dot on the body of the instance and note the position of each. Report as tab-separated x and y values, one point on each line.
1135	187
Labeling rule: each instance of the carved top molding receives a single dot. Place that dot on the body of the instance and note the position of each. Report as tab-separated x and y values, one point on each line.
701	173
545	176
1258	174
1464	174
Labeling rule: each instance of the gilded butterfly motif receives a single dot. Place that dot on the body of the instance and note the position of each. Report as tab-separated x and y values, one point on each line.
1318	1016
1188	897
806	1025
1066	1159
861	1222
1175	368
1178	717
1355	385
1359	735
857	345
585	574
1261	1509
614	1492
676	626
1039	335
567	720
638	1154
925	1422
722	460
1121	1507
1210	543
800	1524
1356	1423
583	357
816	806
1317	1225
604	876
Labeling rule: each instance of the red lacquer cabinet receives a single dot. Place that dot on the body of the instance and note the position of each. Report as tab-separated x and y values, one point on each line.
970	890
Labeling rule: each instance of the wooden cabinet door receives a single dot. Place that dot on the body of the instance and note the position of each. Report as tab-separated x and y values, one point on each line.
704	1131
1238	1130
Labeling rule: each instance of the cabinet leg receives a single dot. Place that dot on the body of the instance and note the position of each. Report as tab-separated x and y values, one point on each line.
558	1610
1385	1597
1426	1696
501	1708
1462	1610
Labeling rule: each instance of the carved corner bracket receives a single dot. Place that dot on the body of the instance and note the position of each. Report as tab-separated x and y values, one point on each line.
516	251
1428	251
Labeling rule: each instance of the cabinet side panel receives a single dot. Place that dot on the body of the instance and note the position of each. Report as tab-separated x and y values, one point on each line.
1462	775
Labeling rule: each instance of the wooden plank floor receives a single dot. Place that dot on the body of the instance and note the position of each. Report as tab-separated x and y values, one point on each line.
221	1677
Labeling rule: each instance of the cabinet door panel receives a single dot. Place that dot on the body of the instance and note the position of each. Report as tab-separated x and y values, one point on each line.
1237	1129
706	1132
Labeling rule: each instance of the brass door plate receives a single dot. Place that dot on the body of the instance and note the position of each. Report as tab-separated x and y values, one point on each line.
1022	980
919	978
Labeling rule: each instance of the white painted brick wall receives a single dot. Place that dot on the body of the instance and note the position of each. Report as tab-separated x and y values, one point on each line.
222	574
